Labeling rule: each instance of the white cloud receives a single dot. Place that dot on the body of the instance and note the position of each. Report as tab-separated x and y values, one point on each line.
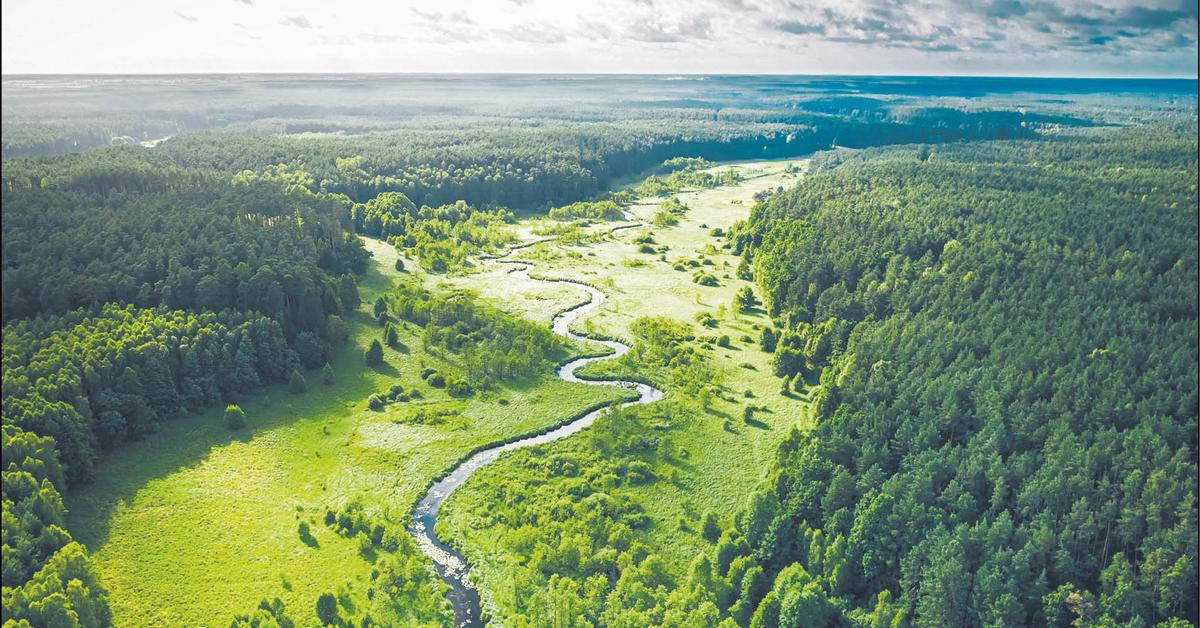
783	36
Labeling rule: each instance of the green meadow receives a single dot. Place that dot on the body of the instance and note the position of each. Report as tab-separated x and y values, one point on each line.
196	523
722	457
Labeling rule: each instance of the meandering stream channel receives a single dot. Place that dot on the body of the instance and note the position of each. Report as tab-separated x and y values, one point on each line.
451	565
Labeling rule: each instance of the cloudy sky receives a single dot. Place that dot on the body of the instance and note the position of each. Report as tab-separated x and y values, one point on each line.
1022	37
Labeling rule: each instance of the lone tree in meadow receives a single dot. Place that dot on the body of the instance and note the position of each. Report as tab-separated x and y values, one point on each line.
399	265
374	354
327	374
380	307
235	419
390	337
296	382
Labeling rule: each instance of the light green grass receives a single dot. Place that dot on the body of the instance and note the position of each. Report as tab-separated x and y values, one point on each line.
722	465
196	523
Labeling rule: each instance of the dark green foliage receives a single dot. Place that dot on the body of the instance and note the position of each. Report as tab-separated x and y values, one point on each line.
327	609
399	265
744	270
494	346
710	529
669	212
296	383
441	238
348	293
93	380
40	558
572	515
459	388
374	354
380	308
327	376
590	210
746	300
269	614
768	339
224	246
1005	338
198	290
390	337
235	418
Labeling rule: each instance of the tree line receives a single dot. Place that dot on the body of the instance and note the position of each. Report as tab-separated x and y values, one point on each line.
137	306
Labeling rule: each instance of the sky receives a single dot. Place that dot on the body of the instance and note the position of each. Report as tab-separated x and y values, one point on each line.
939	37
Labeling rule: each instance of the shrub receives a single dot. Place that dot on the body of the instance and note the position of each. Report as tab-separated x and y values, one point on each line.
665	218
390	337
399	265
375	402
235	419
459	388
723	341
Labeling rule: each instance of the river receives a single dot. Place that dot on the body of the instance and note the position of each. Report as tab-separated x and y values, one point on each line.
451	565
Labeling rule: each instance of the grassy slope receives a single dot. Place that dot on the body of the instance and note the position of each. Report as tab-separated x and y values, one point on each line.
196	523
722	466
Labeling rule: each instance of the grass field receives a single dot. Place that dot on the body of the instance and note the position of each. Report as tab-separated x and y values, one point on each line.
197	523
725	461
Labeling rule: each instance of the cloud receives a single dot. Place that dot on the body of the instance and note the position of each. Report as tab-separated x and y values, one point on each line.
248	3
299	21
379	38
450	27
982	25
800	28
455	17
661	30
533	34
185	17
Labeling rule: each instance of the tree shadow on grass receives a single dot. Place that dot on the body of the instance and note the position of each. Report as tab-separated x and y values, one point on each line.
308	539
188	441
757	424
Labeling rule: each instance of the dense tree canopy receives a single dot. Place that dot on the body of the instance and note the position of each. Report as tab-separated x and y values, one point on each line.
1005	341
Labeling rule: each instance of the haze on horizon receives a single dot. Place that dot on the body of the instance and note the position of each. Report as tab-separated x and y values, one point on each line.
955	37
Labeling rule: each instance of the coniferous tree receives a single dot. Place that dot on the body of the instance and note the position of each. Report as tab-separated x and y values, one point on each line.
374	354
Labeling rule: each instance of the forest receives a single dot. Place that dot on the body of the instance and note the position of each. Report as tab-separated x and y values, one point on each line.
968	397
1003	340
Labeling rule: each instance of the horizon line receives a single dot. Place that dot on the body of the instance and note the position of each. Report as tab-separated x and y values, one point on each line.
1162	77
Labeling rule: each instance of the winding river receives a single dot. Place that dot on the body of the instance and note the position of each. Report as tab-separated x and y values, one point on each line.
451	565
